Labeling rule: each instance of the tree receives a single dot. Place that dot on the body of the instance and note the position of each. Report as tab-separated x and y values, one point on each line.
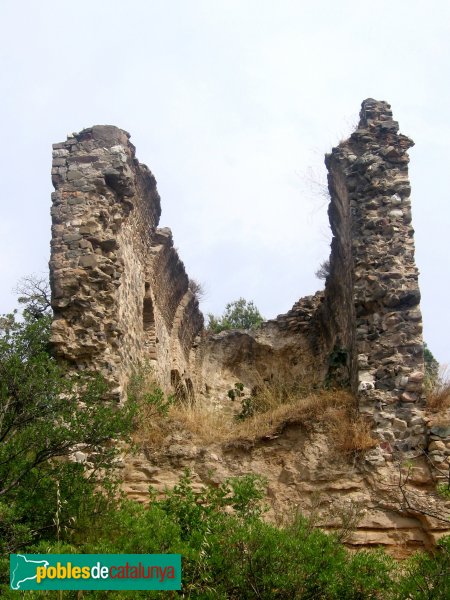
59	436
34	293
47	413
239	314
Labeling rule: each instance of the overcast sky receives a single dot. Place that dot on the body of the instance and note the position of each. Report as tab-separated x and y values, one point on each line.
232	104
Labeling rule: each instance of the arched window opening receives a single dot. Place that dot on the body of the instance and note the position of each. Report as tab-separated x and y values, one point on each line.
148	323
148	317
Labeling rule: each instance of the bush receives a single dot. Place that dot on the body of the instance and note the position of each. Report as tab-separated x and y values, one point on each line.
239	314
427	576
46	415
229	552
238	555
147	396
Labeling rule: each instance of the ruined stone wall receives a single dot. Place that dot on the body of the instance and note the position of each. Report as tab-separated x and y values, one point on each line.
371	308
365	330
120	292
121	295
284	353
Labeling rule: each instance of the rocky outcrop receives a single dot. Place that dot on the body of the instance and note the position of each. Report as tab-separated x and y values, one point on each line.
368	506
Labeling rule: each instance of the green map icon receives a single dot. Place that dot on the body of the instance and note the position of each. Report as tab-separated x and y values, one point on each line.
23	569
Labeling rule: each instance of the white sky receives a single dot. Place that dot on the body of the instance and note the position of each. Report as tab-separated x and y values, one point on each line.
232	104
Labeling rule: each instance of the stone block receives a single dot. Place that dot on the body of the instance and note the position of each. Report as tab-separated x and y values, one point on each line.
73	175
408	397
440	431
416	377
88	261
438	446
399	424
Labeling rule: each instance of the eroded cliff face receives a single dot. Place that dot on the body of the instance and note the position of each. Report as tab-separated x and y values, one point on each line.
282	350
389	505
121	298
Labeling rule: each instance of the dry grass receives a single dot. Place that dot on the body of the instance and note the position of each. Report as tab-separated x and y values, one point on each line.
207	424
322	406
438	398
353	433
276	408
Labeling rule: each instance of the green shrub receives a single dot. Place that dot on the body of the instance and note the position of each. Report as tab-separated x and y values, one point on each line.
147	396
239	314
248	406
229	552
427	576
46	414
194	509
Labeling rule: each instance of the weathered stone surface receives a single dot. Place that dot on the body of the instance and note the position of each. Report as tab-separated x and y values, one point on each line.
304	473
119	290
441	431
373	281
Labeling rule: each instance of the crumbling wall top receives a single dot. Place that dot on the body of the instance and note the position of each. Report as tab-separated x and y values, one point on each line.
117	281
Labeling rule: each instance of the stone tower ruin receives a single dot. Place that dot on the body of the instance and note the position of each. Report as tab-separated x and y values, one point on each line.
371	305
121	295
120	292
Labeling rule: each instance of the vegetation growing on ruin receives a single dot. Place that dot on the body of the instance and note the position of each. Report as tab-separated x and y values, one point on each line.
431	368
324	270
253	414
437	386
